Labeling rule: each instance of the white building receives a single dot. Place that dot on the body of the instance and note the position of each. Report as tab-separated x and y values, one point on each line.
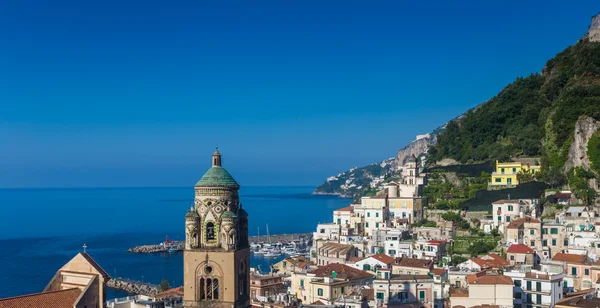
505	211
536	288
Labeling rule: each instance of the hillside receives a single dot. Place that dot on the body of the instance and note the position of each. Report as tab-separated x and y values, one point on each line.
552	114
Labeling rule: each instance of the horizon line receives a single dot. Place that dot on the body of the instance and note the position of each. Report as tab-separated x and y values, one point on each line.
133	187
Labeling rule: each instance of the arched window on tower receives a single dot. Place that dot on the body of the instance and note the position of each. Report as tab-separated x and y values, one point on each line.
210	231
202	292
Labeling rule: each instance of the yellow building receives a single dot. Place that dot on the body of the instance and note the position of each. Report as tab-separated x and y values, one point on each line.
506	173
328	283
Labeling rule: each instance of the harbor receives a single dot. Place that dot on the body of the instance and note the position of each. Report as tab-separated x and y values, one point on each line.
292	243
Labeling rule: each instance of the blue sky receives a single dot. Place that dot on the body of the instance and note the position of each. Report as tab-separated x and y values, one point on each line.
138	93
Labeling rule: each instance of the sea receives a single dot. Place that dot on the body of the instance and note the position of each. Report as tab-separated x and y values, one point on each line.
43	228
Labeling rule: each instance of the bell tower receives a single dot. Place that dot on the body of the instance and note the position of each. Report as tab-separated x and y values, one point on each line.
217	256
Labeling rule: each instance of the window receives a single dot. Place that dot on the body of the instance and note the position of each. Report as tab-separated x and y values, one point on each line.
553	242
499	218
512	257
514	170
566	243
532	243
553	230
422	295
501	170
586	271
376	225
368	214
510	207
517	283
538	286
376	214
497	180
528	285
366	224
210	231
403	204
366	267
544	242
320	292
531	232
573	271
342	290
545	231
507	218
380	295
339	221
529	298
538	299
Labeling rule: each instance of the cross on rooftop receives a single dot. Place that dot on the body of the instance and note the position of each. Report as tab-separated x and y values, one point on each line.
84	247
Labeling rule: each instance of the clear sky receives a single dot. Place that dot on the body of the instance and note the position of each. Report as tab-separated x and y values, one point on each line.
138	93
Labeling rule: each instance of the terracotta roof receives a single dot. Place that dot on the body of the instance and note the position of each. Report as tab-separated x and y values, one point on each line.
342	271
410	262
515	224
383	258
95	265
563	196
355	259
579	301
438	271
437	242
519	248
55	299
472	277
342	249
318	303
368	294
513	201
345	209
175	292
490	261
570	258
402	220
493	279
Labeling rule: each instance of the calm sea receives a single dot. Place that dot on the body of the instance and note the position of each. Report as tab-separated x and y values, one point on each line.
41	229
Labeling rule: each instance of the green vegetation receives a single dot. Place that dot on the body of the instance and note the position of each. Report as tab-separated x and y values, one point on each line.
164	285
579	184
474	245
448	190
456	260
424	223
533	116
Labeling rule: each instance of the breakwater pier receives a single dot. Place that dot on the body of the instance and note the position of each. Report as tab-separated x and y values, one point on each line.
133	287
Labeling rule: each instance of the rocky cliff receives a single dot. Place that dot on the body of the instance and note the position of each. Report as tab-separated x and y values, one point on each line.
594	30
585	127
368	178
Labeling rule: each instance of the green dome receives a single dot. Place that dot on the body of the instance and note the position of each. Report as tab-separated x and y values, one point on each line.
217	177
192	214
228	215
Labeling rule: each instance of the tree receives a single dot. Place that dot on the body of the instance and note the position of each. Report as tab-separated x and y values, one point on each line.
523	176
456	260
495	232
164	285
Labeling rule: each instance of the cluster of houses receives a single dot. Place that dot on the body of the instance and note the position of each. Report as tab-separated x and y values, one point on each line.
371	255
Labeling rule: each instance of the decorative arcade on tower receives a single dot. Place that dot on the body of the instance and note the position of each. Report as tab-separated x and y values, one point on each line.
217	256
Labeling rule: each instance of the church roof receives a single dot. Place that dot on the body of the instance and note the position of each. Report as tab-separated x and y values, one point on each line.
217	177
56	299
192	213
228	214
